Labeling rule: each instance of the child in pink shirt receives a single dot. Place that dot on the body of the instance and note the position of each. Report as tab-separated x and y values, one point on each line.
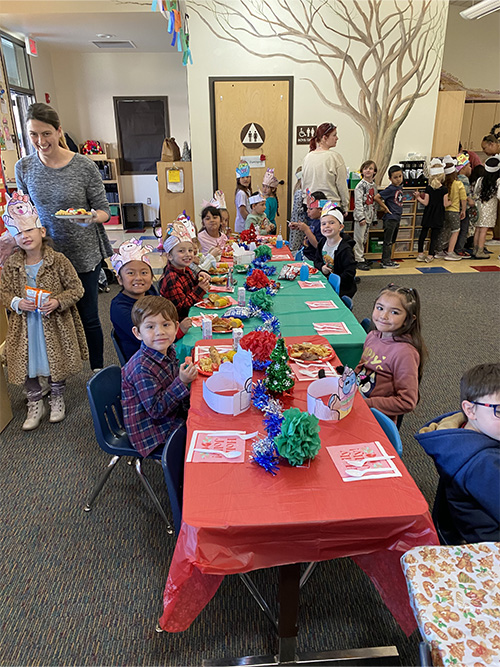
210	235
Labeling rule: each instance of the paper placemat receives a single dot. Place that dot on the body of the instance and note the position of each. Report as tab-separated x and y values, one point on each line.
311	284
343	454
216	441
204	350
321	305
330	328
307	372
198	319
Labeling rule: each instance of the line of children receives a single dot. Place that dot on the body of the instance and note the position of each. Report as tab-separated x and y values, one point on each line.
334	254
45	338
391	201
364	211
434	198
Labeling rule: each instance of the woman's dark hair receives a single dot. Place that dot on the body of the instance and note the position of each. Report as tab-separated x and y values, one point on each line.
488	186
246	189
45	114
322	130
476	173
214	211
411	303
490	139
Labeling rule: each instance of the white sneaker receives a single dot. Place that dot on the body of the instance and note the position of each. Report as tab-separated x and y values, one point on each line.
440	254
57	409
429	259
421	257
36	412
452	257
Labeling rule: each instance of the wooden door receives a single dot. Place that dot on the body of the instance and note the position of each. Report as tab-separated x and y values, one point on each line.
466	125
482	122
235	104
448	125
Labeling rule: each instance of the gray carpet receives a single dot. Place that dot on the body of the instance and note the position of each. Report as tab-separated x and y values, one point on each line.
86	589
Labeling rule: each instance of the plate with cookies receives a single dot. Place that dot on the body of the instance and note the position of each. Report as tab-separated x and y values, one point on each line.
210	362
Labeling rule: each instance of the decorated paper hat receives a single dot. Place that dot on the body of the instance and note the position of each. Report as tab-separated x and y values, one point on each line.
178	231
130	251
256	198
450	161
235	378
331	398
492	164
217	201
462	160
243	169
20	214
270	179
436	167
331	208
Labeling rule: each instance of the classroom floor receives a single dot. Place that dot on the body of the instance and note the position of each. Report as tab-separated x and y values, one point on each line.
406	266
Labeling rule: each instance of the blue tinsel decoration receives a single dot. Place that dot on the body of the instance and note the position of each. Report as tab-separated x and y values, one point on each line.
272	423
260	397
271	323
260	365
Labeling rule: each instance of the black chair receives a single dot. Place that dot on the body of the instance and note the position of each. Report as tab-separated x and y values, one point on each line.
118	350
104	394
443	520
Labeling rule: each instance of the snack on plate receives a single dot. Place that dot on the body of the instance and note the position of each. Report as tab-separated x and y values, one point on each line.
212	363
218	280
219	301
73	211
223	324
220	268
309	352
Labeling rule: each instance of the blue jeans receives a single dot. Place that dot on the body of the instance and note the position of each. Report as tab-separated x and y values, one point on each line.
89	312
391	228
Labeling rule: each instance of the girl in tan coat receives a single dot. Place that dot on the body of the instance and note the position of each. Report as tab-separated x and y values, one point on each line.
45	336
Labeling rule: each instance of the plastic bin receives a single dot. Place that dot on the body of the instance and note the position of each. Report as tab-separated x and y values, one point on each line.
133	216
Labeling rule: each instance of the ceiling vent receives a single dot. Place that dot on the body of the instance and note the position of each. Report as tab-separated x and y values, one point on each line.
114	44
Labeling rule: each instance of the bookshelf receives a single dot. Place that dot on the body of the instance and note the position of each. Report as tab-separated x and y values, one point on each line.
108	168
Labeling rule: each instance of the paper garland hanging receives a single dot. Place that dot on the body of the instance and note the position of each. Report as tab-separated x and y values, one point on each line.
179	32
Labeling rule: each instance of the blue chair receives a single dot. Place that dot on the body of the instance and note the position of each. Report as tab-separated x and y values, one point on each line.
334	281
172	462
366	323
118	350
390	429
347	300
104	394
299	255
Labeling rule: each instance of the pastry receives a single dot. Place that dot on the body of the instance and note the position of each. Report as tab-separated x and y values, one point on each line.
308	351
73	211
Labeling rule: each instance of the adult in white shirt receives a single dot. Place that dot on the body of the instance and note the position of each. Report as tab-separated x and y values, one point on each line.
324	169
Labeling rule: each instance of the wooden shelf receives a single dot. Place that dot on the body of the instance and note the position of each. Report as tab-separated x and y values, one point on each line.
112	184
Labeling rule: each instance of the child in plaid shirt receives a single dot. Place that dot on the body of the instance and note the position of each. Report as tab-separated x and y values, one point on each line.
155	391
178	282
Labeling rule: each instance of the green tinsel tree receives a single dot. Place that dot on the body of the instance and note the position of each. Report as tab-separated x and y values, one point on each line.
279	376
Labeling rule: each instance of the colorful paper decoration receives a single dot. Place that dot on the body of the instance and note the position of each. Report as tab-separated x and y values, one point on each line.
177	26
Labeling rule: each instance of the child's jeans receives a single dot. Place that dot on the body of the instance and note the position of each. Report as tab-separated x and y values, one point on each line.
360	236
391	228
34	390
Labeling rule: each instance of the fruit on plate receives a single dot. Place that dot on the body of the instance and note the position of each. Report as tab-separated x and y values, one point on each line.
219	301
212	363
222	324
309	352
73	211
221	268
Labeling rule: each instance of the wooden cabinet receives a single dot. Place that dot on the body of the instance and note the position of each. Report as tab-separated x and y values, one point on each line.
479	118
448	124
108	168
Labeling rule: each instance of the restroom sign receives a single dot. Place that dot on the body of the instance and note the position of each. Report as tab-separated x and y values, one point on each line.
305	133
252	135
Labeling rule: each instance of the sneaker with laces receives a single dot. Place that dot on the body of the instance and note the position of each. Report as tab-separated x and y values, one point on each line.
429	259
362	266
36	412
57	409
421	257
480	254
440	254
452	257
389	265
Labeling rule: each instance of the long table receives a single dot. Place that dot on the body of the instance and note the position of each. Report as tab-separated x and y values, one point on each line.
297	319
238	518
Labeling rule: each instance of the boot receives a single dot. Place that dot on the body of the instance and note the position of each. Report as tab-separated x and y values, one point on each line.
36	411
480	254
57	409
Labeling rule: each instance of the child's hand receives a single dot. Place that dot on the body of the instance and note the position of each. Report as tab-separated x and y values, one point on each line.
216	252
187	371
204	281
196	259
185	325
297	225
28	306
49	306
326	270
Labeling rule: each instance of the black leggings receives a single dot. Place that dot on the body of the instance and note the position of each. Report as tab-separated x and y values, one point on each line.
89	312
434	237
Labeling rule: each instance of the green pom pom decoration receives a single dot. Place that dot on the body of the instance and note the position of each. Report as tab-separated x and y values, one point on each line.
299	439
263	251
262	300
241	268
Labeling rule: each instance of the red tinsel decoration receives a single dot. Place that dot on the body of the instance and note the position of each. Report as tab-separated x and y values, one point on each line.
248	235
257	279
260	344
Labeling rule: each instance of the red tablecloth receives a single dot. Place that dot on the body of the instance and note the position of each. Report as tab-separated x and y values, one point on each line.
238	518
281	254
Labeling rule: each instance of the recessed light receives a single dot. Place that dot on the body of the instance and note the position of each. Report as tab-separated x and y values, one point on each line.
103	36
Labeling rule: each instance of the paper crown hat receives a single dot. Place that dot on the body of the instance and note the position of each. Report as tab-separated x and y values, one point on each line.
462	160
235	378
217	201
436	167
270	179
331	398
256	198
20	214
331	208
178	231
492	164
130	251
243	169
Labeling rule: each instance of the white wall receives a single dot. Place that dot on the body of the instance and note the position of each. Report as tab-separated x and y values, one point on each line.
43	75
213	57
85	85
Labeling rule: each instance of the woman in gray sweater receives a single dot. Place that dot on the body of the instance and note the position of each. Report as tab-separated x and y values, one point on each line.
56	178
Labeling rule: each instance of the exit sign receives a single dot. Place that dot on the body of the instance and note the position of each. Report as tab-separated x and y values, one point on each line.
31	46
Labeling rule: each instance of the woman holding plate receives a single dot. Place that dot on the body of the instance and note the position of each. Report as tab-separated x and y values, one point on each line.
56	179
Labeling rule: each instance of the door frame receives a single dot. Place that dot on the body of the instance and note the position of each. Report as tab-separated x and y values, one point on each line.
213	130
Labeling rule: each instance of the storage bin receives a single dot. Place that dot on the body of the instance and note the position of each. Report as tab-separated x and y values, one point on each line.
114	220
375	245
402	246
114	209
403	234
133	216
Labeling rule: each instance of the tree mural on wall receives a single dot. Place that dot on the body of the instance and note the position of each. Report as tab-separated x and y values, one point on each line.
390	50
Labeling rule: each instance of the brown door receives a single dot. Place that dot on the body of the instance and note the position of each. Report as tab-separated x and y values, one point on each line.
235	105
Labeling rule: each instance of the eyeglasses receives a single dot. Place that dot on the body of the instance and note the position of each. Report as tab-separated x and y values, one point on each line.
495	406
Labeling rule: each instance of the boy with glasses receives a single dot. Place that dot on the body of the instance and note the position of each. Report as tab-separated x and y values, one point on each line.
465	447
